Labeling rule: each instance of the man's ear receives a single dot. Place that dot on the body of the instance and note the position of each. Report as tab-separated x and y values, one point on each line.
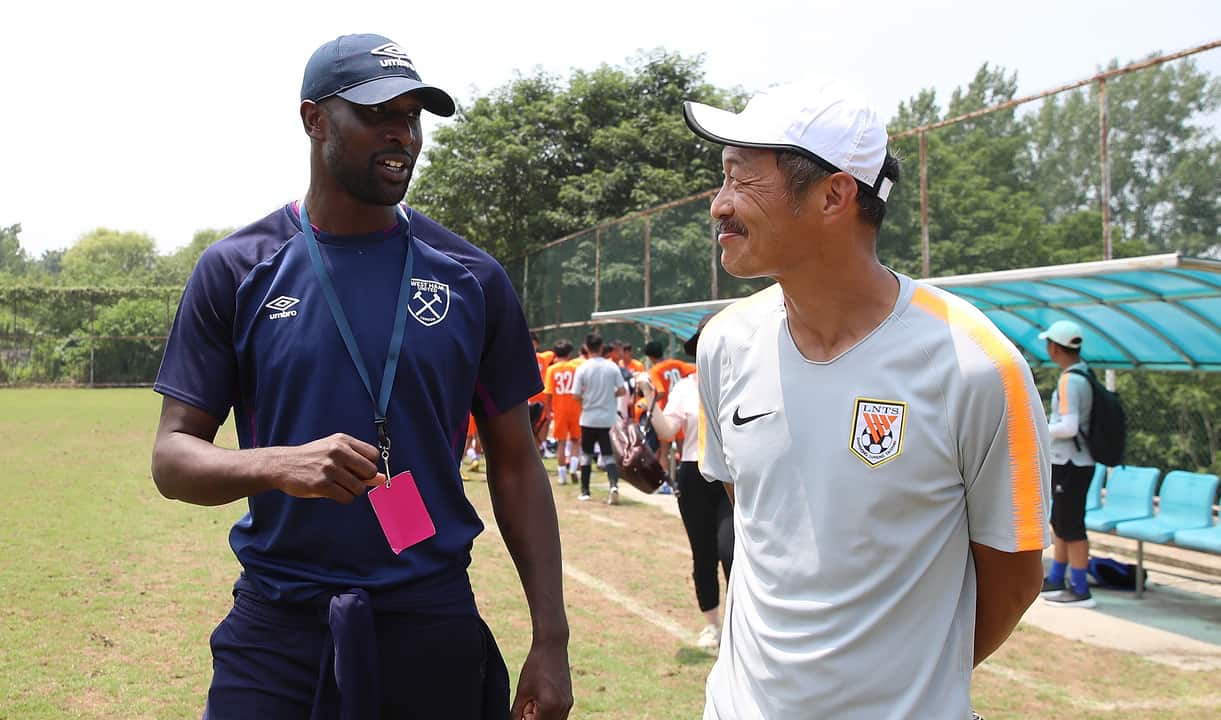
839	195
313	119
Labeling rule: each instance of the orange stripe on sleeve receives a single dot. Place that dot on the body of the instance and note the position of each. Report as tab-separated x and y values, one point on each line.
1062	394
1023	448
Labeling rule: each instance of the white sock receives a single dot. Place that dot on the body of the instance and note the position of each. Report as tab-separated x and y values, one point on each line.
563	474
471	454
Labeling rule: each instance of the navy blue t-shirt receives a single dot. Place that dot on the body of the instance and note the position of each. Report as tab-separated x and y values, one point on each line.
254	333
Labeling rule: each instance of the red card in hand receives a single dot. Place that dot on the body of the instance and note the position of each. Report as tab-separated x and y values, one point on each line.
401	512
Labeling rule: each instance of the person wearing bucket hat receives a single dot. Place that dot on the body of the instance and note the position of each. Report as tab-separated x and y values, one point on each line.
1072	468
883	444
350	337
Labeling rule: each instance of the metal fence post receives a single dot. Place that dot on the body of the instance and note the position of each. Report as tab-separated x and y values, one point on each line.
925	264
597	268
1106	169
648	265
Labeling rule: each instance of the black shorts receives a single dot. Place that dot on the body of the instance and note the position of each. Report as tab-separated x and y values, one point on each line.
1069	486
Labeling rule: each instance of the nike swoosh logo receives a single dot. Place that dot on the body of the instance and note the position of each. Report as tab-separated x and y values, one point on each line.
739	420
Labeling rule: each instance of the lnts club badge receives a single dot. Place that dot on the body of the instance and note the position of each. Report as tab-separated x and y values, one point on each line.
877	430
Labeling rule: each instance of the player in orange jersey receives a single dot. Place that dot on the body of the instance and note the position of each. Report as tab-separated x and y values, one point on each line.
563	407
622	355
663	375
538	403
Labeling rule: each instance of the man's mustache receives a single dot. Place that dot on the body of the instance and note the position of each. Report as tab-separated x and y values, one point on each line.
730	226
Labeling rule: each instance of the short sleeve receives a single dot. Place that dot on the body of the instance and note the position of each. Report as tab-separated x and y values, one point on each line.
549	379
711	455
508	368
1004	450
1073	392
199	367
682	401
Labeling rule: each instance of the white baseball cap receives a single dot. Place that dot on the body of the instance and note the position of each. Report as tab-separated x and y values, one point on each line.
1063	332
833	126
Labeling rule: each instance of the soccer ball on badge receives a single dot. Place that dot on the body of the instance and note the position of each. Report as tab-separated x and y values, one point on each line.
872	447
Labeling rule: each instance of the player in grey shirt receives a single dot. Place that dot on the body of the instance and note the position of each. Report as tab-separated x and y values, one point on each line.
598	384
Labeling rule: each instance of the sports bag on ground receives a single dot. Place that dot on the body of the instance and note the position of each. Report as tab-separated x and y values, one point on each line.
1108	423
637	463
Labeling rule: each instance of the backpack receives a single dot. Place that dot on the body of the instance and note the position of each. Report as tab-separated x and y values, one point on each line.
1114	574
1108	423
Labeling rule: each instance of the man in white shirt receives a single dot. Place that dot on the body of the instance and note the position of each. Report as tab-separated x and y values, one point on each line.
1072	468
883	443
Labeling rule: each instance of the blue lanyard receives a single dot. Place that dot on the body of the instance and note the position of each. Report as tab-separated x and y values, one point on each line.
381	401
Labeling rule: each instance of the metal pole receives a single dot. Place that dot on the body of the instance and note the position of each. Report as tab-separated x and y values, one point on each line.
715	274
92	334
1106	170
525	285
925	264
648	265
597	269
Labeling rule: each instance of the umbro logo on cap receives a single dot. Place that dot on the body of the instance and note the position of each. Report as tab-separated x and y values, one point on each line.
393	56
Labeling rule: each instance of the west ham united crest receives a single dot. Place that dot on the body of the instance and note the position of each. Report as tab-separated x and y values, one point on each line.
877	430
429	301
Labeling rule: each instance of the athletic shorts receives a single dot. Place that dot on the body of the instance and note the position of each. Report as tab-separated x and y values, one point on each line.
1069	486
567	425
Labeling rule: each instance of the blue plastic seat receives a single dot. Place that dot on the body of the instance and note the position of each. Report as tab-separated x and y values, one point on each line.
1093	499
1185	502
1129	497
1207	539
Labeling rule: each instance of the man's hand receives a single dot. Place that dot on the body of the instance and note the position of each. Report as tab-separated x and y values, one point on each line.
544	689
338	467
188	467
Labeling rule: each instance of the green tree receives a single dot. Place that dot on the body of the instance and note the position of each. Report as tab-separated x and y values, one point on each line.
110	258
982	214
14	260
1164	161
175	267
539	158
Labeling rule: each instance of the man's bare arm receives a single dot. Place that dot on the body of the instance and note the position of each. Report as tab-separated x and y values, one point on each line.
525	514
188	467
1006	584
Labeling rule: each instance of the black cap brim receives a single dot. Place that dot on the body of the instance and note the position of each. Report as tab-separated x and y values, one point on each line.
436	100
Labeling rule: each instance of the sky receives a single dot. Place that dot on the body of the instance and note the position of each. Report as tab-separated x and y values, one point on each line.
166	118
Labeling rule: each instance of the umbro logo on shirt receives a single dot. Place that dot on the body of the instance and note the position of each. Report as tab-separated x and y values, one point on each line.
282	306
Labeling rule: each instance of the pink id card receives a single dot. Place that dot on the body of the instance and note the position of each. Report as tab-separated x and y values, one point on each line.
401	512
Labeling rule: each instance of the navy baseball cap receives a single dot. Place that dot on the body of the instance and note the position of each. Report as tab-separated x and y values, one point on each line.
367	70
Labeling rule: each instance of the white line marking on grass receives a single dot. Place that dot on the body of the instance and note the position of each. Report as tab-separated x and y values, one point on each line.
684	551
635	607
1083	703
599	518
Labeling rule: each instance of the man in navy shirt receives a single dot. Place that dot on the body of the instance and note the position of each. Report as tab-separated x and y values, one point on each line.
351	337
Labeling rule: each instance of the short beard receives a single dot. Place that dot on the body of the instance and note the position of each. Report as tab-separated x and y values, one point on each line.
360	183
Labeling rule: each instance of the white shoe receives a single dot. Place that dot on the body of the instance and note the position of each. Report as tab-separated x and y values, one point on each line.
562	479
583	497
614	497
709	638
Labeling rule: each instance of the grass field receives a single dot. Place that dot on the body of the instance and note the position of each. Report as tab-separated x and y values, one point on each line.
110	593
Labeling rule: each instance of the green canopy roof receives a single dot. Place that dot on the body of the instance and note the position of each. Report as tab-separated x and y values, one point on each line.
1161	312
